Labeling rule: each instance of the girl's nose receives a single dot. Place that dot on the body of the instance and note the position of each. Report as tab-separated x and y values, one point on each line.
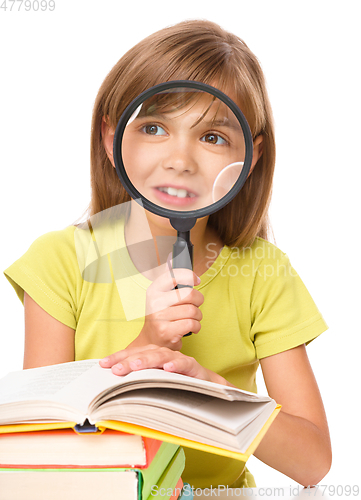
180	159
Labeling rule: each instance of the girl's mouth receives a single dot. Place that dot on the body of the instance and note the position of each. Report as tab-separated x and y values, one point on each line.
180	193
175	196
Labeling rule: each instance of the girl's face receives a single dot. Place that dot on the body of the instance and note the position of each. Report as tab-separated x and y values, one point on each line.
176	150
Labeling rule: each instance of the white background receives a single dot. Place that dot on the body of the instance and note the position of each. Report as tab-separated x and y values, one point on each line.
52	64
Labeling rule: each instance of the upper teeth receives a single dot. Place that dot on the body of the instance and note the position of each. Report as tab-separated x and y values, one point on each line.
180	193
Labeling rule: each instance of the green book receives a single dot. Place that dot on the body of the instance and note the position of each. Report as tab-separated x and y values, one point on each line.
169	479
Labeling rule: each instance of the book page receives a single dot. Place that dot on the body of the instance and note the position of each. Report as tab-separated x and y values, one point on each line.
230	416
71	385
189	415
40	383
81	384
155	378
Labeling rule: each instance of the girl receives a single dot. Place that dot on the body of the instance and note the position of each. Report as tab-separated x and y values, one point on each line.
248	307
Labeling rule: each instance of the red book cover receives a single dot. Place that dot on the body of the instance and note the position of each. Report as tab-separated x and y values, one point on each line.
177	490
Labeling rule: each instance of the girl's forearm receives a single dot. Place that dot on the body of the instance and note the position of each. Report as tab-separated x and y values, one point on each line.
297	448
293	445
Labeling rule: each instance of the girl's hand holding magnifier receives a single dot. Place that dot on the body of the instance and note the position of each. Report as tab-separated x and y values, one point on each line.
170	314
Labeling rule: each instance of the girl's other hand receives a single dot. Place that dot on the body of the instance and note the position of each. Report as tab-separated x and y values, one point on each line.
153	356
170	314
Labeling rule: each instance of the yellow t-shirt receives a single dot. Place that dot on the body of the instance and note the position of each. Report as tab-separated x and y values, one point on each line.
255	305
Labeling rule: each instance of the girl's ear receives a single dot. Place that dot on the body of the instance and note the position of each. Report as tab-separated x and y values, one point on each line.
108	138
257	151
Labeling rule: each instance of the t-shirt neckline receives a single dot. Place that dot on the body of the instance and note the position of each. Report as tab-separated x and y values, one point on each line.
144	282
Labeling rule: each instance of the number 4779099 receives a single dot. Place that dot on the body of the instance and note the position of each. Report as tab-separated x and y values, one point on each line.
27	5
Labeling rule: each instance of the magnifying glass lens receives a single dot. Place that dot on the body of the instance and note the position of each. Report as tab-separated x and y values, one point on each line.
183	149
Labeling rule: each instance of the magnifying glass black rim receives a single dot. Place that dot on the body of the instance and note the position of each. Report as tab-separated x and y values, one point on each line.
135	194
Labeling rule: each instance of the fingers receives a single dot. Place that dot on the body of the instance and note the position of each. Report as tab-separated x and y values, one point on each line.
171	324
158	301
175	321
183	326
157	357
117	357
186	366
182	311
167	282
169	313
152	358
190	296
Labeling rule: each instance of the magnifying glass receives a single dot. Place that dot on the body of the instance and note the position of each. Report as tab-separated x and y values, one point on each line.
184	149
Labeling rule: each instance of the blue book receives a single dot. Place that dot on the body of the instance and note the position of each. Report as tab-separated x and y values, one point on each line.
187	493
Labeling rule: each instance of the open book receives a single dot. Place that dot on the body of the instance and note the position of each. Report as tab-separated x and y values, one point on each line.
154	403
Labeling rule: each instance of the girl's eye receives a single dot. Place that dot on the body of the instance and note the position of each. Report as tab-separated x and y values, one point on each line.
153	130
214	139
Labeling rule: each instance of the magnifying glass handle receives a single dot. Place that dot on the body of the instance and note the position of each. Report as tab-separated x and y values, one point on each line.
184	286
183	256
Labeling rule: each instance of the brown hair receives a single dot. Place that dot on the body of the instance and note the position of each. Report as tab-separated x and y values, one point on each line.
201	51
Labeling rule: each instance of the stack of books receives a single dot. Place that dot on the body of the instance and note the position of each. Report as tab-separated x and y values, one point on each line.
77	427
59	464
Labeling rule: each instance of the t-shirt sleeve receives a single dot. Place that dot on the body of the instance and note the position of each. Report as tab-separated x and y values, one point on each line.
48	273
283	312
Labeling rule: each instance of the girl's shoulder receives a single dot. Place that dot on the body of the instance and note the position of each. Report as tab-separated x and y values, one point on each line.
49	272
48	253
59	238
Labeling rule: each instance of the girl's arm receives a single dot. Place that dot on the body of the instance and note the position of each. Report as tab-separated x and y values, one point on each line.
47	340
298	442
